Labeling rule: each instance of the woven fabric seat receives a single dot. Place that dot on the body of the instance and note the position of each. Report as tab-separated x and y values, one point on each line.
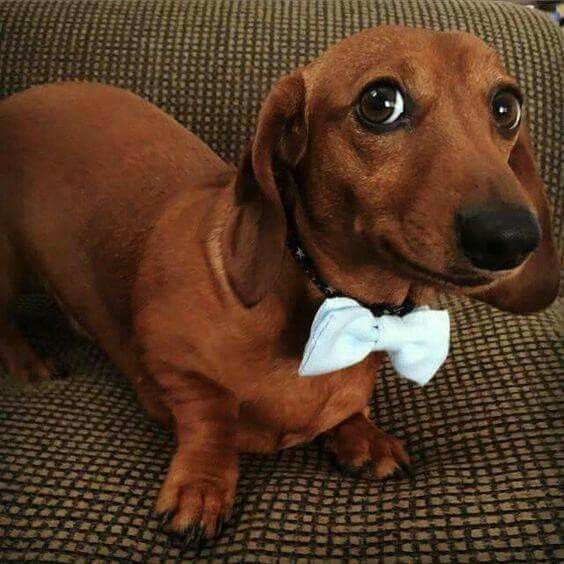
80	464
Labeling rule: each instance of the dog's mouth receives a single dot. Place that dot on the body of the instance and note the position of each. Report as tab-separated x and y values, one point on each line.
414	268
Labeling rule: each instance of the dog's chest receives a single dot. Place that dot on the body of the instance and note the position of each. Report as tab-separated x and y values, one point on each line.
255	354
296	409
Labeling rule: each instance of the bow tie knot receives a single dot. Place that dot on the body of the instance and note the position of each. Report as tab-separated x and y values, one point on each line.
344	333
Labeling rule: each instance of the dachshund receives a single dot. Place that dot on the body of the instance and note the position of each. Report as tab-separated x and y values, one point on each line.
400	158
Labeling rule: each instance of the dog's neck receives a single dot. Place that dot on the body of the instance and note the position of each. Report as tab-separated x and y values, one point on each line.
303	259
379	287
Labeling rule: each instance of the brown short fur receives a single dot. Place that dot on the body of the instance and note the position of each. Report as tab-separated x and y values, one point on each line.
175	263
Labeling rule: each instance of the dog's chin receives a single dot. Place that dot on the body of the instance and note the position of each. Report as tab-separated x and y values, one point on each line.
460	276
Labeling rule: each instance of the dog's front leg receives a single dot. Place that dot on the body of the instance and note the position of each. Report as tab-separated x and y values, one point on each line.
356	445
198	491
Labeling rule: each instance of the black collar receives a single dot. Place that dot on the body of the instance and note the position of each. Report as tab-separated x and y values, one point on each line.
302	258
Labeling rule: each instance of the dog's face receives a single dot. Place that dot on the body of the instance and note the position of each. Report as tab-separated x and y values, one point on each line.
409	150
408	147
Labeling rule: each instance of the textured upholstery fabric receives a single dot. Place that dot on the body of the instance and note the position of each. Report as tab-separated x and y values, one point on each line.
80	465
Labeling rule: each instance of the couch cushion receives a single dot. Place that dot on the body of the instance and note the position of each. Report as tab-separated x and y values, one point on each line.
80	465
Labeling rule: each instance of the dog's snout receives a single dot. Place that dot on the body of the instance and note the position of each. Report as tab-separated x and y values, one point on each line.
497	238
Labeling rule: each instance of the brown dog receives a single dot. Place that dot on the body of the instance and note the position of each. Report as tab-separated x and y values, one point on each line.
400	158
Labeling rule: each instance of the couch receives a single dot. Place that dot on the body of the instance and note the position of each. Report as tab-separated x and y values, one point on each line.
80	463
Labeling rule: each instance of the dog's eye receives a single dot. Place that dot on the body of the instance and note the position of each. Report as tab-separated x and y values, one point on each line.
506	110
381	104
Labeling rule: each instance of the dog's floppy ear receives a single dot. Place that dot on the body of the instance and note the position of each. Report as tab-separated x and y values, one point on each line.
253	242
535	285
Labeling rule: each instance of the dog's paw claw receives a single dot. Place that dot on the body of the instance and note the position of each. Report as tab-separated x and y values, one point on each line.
406	469
165	518
219	526
193	537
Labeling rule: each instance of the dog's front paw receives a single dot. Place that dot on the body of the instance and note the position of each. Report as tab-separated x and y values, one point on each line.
389	456
195	507
357	446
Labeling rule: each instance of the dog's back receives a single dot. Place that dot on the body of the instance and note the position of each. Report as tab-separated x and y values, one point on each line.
85	170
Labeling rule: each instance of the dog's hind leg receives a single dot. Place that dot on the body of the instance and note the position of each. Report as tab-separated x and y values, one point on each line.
22	362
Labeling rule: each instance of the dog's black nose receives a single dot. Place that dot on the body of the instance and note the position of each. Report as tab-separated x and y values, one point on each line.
498	238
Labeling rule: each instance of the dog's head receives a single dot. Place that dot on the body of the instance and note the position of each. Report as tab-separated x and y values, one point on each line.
407	148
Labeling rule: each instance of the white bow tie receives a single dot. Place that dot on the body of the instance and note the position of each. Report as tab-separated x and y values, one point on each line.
344	333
